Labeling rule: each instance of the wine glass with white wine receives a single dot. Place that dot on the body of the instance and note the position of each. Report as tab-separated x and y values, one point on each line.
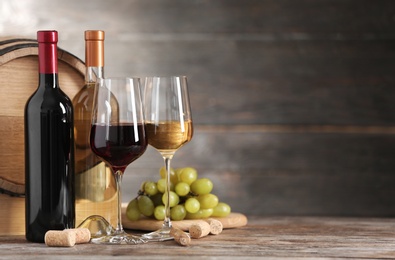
168	126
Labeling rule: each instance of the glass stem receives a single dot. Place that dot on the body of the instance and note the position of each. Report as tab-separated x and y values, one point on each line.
167	221
118	180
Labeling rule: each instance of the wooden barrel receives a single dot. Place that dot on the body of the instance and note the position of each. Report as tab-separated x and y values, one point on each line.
18	80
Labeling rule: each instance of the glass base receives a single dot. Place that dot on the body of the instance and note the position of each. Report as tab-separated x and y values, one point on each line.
119	238
98	226
162	234
103	233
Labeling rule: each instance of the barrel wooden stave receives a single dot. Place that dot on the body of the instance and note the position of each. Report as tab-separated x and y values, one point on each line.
18	81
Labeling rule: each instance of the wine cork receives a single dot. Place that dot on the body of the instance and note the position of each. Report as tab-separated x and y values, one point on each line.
82	235
199	229
59	238
216	226
180	236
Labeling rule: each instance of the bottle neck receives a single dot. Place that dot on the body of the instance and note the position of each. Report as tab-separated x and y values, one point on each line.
93	73
48	65
48	80
47	58
94	60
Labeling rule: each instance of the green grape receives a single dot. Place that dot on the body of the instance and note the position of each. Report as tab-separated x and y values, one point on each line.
192	205
201	213
132	210
182	189
159	212
173	175
202	186
142	186
146	206
172	186
207	201
178	212
162	172
187	175
174	199
178	172
157	199
150	188
161	185
221	210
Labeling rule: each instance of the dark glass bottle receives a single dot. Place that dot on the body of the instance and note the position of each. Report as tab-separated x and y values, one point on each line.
49	148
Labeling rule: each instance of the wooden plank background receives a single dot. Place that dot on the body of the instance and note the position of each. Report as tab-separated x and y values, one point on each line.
293	100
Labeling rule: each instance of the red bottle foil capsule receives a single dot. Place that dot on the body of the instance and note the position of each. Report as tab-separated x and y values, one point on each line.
47	51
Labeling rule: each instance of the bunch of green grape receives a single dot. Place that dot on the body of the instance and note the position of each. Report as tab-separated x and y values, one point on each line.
190	198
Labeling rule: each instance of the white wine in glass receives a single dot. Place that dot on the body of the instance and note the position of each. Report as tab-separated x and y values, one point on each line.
168	126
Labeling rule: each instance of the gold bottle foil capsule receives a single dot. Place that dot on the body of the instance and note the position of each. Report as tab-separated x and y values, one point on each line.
94	54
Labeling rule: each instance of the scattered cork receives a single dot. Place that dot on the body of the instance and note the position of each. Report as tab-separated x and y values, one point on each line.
181	237
199	229
59	238
216	226
67	237
82	235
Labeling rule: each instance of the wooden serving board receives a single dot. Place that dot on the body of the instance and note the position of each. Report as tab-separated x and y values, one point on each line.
234	220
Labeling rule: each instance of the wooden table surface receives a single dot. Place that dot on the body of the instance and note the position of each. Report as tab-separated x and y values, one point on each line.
263	237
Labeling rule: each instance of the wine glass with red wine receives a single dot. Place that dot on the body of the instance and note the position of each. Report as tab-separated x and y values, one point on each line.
169	126
118	137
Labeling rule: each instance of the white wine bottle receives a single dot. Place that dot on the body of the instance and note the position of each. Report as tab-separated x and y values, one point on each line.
94	184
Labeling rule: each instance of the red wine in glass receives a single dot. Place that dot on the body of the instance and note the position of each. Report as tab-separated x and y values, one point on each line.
119	145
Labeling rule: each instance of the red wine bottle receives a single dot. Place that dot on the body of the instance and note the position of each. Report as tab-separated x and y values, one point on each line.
49	149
